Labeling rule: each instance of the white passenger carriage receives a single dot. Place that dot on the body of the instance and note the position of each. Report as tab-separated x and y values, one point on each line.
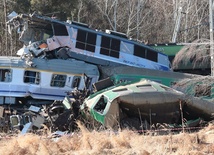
43	79
78	41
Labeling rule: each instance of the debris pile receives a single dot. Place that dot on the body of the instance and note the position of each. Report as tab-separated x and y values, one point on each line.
80	105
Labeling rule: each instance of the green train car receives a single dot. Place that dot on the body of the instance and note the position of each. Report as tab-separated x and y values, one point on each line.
201	86
170	49
191	61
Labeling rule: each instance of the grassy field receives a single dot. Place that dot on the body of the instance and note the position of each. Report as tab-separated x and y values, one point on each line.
124	142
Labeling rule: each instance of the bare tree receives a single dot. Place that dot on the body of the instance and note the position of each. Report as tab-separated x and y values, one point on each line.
194	23
124	16
106	8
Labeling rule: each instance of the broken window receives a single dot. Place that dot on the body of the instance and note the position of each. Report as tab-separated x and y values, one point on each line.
76	81
33	35
5	75
32	77
86	40
203	90
58	80
38	35
110	47
15	121
101	104
88	82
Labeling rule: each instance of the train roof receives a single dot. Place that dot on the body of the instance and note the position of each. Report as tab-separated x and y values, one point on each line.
71	66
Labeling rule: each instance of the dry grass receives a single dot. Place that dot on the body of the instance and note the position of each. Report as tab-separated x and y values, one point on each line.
108	142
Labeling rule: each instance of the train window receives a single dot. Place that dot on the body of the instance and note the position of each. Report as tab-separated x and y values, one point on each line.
146	87
32	77
88	82
171	57
5	75
58	80
139	51
76	81
81	35
105	42
80	45
126	47
115	48
203	90
114	54
81	39
86	40
104	51
90	48
119	90
115	44
110	47
60	30
91	42
91	38
101	104
152	55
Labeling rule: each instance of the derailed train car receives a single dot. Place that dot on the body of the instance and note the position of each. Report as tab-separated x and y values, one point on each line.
50	37
142	103
41	79
38	82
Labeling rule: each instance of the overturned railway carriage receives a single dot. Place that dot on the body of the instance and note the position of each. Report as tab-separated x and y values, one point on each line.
140	101
78	41
42	79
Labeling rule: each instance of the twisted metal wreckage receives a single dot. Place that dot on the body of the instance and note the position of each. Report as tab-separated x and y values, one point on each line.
54	82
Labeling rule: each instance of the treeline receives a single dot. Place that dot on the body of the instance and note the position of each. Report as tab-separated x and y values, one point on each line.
148	21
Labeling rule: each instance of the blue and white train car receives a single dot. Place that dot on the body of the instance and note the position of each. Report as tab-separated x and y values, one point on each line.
42	79
78	41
